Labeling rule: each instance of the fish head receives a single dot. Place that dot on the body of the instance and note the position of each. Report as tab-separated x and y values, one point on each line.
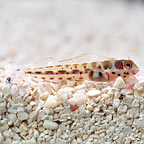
126	66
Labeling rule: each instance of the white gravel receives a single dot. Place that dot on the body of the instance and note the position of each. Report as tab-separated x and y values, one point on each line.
35	112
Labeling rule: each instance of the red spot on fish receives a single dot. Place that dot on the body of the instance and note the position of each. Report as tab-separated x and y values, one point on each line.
74	107
119	64
107	75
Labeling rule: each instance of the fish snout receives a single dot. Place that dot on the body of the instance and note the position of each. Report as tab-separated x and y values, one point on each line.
135	71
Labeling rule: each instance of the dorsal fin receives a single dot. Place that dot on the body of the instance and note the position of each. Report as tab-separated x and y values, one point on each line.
85	58
49	61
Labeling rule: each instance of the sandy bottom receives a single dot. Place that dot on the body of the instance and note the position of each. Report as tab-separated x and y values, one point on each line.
37	112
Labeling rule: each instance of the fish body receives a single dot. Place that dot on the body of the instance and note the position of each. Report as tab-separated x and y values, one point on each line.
85	67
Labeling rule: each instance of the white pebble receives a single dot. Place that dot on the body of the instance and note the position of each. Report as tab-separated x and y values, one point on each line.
51	102
50	125
93	93
29	107
78	98
122	109
41	115
6	90
64	93
22	116
36	133
32	103
80	87
33	115
2	107
7	141
119	83
11	110
20	109
22	91
12	117
31	141
116	102
112	128
126	91
44	96
79	140
8	133
135	103
1	138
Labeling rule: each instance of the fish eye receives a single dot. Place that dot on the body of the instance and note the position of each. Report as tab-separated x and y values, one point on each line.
128	64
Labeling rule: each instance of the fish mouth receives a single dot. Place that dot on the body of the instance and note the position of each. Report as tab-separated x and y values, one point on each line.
135	71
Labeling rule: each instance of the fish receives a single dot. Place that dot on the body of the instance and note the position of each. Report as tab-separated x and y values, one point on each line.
92	67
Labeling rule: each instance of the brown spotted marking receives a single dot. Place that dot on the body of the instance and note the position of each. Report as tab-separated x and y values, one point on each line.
113	72
29	72
51	78
87	70
75	71
99	67
67	66
75	65
94	65
91	74
100	74
43	78
81	78
62	72
49	72
38	72
107	65
85	65
69	78
58	65
49	67
127	73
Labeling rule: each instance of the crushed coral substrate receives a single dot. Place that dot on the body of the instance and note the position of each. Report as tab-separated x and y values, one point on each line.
38	112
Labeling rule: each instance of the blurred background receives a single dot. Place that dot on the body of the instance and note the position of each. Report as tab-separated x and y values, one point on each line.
35	29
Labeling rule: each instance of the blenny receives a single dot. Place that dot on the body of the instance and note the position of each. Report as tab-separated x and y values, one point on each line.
84	67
